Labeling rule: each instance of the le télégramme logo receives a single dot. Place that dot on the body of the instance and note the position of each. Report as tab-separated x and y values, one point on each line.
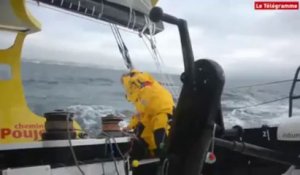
276	5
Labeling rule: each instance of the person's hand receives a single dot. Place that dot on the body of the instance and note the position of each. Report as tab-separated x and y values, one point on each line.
126	129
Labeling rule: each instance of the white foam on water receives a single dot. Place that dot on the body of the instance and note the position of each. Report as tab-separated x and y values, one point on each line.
268	114
282	114
90	117
254	116
231	121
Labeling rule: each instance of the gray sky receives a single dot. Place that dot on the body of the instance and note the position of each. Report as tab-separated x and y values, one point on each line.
247	43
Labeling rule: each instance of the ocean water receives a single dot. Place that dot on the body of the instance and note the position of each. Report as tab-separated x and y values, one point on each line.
92	93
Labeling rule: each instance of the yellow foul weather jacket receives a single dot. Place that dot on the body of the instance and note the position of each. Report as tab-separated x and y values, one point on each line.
153	103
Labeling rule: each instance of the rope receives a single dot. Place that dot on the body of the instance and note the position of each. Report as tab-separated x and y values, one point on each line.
157	64
145	27
102	10
108	136
122	47
108	141
113	157
130	13
262	84
125	156
147	5
263	103
155	53
103	170
213	138
159	59
165	167
134	20
71	147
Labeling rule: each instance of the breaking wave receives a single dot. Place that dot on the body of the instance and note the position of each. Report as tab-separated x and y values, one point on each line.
90	117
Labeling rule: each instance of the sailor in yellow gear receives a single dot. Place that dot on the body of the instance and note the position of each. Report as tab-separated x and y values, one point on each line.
154	105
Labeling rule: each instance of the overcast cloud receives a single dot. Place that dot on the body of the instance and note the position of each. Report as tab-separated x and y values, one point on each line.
247	43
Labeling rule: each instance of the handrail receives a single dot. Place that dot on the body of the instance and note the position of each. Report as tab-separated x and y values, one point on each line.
292	96
156	15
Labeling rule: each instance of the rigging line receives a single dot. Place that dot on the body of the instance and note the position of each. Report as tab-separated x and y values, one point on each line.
148	6
78	8
118	148
116	144
165	167
134	20
163	63
117	38
262	84
152	40
152	53
108	139
263	103
113	157
125	50
103	170
163	76
71	147
31	2
130	13
122	47
102	9
145	26
118	34
157	64
213	138
155	54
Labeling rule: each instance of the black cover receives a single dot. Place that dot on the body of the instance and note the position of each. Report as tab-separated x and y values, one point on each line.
239	162
196	112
